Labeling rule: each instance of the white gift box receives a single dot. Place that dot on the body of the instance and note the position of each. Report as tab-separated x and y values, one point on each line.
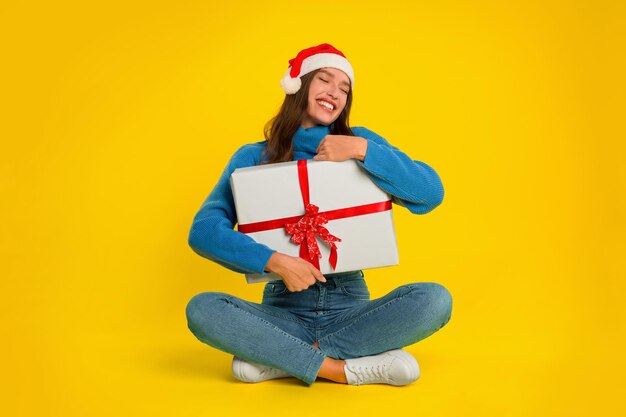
266	195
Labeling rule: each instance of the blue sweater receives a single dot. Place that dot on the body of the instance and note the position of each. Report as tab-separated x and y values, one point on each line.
411	184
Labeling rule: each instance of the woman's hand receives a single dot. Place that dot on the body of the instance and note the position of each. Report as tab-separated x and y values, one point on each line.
340	148
296	273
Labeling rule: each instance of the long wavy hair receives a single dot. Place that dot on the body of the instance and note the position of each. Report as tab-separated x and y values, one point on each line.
280	129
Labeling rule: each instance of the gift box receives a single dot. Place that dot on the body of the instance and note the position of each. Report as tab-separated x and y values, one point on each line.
328	213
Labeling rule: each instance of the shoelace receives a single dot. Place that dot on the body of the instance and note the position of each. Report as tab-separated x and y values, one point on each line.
376	373
270	371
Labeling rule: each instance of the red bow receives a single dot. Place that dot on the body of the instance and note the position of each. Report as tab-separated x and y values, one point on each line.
304	231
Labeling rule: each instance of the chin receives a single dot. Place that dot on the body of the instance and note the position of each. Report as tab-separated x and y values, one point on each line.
328	122
324	121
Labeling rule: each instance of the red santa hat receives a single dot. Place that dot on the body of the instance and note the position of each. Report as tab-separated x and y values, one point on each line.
313	58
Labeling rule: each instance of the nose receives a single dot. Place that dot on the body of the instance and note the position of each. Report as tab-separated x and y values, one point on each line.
332	91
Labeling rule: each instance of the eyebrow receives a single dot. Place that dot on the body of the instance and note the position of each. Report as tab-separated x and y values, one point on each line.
331	75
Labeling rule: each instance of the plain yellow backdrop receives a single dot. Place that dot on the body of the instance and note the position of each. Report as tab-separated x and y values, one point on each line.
118	117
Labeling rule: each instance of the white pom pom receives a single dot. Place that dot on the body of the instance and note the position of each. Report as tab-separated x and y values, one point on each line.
290	85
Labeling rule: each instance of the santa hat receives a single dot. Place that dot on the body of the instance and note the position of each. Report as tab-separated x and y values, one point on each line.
313	58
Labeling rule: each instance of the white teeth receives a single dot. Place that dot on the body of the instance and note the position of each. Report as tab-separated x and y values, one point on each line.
326	104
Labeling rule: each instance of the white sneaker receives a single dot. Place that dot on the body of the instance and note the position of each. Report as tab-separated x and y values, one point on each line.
394	367
255	372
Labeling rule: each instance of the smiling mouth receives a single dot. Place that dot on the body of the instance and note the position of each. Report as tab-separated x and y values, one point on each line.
329	107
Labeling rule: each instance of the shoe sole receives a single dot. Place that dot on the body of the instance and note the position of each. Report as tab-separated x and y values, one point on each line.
238	373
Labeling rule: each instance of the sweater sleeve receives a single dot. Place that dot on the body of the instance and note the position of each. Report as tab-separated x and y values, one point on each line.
412	184
212	235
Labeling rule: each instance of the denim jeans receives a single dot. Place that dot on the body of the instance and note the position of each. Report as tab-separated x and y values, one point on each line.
338	314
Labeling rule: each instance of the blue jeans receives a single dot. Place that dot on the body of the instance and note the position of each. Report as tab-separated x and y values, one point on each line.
338	314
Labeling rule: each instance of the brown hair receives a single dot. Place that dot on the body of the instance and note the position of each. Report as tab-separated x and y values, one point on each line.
280	129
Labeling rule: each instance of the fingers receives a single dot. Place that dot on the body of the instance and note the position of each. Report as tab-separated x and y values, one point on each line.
320	145
321	152
317	274
301	275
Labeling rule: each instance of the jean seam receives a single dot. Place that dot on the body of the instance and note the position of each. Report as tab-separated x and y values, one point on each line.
310	375
349	294
289	336
271	313
272	325
329	347
362	317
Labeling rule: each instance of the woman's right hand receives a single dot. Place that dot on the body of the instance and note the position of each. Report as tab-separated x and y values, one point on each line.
296	273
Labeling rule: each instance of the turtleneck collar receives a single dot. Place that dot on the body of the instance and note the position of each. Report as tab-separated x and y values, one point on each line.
308	139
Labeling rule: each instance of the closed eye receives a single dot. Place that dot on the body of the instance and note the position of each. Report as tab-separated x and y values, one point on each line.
326	81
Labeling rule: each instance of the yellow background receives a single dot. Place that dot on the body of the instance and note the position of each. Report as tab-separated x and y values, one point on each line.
117	119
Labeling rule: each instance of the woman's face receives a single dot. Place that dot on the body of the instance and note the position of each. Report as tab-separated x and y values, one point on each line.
328	93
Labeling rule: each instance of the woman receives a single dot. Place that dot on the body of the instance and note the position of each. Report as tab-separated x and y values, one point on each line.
310	325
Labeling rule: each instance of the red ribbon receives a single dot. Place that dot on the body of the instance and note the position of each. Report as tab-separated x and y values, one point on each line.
304	232
304	228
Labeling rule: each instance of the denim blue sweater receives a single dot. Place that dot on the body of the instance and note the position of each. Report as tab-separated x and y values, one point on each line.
411	184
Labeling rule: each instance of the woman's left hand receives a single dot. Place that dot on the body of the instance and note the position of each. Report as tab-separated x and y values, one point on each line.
340	148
